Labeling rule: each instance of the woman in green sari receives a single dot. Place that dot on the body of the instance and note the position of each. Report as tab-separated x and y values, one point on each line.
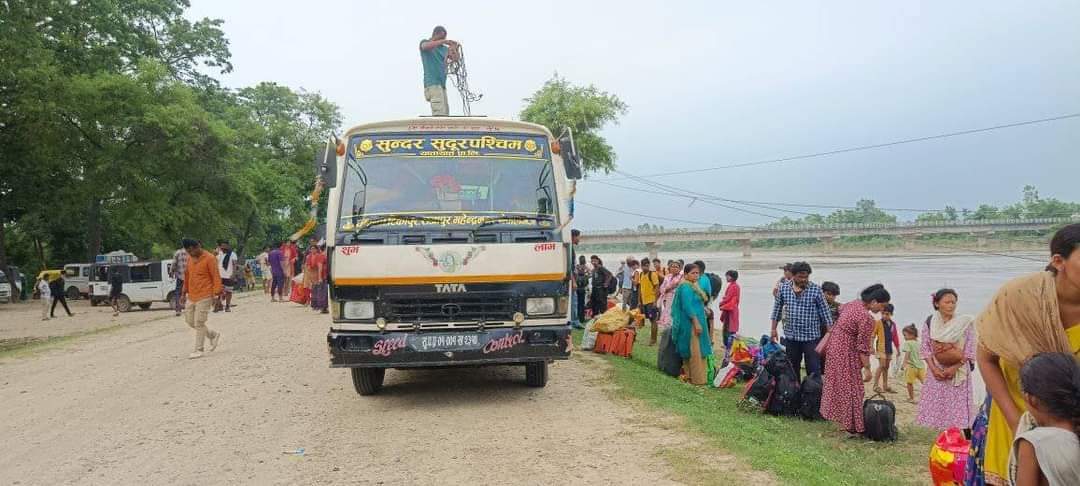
688	326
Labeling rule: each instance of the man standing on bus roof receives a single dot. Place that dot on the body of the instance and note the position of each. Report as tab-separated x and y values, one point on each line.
433	54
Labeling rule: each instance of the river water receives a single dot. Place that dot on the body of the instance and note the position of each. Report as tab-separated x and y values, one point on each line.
910	279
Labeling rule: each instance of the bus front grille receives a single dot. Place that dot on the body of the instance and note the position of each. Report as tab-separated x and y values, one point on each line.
442	308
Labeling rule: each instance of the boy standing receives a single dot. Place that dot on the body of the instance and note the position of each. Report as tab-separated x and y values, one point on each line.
648	287
885	330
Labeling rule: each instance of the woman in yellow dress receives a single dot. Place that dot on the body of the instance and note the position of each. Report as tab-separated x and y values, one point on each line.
1028	315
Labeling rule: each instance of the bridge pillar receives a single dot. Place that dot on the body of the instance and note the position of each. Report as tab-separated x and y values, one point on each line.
981	239
909	241
653	247
830	244
745	245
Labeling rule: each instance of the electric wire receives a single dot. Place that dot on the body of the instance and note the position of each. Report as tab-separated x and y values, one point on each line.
860	147
459	75
661	218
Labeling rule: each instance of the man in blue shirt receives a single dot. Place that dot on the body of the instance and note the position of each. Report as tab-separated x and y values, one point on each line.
805	313
433	54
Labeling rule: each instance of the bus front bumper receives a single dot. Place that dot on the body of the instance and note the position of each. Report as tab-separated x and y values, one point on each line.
365	349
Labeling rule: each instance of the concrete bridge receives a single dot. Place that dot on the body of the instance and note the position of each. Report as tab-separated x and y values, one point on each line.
827	233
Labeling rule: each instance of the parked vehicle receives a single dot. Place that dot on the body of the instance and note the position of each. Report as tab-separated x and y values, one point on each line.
449	246
144	283
5	288
77	278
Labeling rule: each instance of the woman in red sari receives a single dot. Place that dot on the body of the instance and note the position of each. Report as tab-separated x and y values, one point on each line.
848	352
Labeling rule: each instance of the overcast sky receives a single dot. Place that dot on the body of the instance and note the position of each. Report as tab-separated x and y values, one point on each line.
718	83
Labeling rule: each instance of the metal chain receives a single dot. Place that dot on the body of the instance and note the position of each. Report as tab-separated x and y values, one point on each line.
460	77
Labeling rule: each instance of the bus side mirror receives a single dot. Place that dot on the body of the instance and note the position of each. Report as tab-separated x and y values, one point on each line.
326	164
570	157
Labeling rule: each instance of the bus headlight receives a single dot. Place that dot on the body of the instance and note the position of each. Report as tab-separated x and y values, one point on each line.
360	309
539	306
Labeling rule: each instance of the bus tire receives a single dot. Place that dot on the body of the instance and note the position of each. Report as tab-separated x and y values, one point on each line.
368	381
94	302
123	303
536	374
73	293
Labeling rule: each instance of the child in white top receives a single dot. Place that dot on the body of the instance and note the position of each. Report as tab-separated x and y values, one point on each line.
46	297
1046	449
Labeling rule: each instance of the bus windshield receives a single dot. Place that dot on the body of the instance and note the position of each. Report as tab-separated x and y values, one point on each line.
442	188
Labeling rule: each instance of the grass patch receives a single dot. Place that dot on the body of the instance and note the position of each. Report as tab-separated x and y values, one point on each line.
795	451
23	347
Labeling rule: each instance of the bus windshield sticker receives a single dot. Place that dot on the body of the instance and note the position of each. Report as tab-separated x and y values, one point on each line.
451	145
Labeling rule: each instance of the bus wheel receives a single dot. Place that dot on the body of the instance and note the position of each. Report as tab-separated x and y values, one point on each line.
123	303
73	293
94	302
536	374
144	305
368	381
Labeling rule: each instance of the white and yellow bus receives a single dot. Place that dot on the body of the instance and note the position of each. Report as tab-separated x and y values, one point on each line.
449	245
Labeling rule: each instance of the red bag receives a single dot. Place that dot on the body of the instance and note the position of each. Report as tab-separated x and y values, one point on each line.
603	342
624	342
300	294
948	457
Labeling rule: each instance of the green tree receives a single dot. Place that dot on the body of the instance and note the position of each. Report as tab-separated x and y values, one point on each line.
585	109
279	131
866	211
946	215
985	212
114	134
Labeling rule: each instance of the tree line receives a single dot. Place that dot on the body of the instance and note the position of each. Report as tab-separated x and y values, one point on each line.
115	134
1031	206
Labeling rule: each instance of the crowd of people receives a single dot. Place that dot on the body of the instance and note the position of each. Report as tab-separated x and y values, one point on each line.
1025	344
205	281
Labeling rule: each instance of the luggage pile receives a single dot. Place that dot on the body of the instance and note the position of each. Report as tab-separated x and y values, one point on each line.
775	390
611	333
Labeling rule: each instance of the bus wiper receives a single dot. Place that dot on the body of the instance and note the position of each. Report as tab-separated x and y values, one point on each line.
394	218
515	217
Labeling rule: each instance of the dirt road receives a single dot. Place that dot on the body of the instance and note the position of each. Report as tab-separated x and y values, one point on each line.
127	407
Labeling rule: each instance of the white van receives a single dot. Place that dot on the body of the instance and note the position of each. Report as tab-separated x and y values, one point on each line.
144	283
77	279
5	288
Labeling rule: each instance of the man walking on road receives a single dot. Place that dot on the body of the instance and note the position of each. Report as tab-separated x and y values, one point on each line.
58	297
433	55
807	313
227	270
180	261
202	284
276	261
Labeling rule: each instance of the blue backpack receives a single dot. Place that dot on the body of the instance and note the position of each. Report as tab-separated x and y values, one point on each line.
768	346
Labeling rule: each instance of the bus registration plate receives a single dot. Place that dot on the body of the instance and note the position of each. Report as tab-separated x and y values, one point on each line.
447	342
